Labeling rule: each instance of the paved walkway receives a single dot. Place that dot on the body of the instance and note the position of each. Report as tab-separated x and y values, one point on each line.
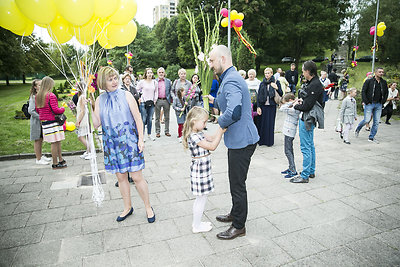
349	215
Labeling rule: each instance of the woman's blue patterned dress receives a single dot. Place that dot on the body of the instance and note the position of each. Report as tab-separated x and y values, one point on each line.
120	135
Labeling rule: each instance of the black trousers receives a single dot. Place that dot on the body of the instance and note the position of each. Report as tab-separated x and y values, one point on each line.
387	111
238	167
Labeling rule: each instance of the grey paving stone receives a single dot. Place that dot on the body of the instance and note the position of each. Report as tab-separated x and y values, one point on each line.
182	247
379	220
158	231
62	229
18	197
172	196
225	259
337	209
280	204
7	256
113	258
38	254
31	187
154	254
392	210
258	210
314	215
174	210
13	221
25	173
392	238
287	222
33	205
11	189
28	179
360	203
303	199
80	246
46	216
342	256
122	238
6	174
220	200
376	252
53	193
64	201
380	196
7	181
7	209
324	194
99	223
21	236
80	211
345	189
298	244
265	253
313	260
363	185
260	229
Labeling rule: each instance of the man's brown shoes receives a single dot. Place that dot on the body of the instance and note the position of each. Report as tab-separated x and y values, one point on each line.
224	218
232	233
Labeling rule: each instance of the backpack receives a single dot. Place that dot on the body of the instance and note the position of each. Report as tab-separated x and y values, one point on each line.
25	109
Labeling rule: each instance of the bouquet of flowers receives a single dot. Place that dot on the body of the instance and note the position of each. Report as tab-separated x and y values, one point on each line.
189	95
211	38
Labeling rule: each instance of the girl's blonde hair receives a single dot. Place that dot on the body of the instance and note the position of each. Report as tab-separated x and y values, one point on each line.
352	89
103	74
33	87
195	114
45	87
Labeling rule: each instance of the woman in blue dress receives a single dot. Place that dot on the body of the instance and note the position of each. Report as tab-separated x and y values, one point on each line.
118	114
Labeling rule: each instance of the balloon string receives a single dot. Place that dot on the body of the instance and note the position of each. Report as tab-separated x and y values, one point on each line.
245	42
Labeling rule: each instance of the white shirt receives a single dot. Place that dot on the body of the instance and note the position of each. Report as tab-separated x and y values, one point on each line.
390	95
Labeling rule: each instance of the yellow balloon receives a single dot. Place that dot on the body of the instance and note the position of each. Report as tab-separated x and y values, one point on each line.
105	8
103	42
241	16
379	33
76	12
59	30
122	35
381	24
39	11
10	16
234	14
88	33
224	22
27	31
70	126
125	13
239	29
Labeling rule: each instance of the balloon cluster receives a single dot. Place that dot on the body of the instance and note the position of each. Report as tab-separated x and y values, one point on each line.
107	21
355	48
381	28
129	55
354	64
236	19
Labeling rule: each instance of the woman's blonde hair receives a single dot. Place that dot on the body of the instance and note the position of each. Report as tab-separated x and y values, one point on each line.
145	73
195	114
252	71
45	87
268	69
126	75
181	70
103	74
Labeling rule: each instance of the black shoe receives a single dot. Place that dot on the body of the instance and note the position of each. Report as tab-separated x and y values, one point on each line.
116	184
129	180
63	162
58	166
224	218
299	180
311	175
232	233
347	142
120	219
388	123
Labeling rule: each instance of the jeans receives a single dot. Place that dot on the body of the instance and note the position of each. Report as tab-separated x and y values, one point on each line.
307	149
288	147
292	88
374	110
147	116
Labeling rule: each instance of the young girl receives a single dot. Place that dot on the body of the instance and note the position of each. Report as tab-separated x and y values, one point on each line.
200	170
348	113
82	120
180	107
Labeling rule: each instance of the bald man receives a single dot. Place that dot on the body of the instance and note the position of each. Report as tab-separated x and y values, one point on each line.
241	137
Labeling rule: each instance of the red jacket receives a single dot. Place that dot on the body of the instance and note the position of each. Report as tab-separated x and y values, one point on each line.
45	113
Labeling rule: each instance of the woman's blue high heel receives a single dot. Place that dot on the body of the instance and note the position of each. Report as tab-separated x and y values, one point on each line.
152	219
120	219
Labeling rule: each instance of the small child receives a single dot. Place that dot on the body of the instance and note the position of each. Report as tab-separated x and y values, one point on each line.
200	170
289	131
348	113
181	108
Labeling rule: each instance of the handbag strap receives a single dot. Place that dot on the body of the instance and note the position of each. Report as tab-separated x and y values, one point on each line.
51	108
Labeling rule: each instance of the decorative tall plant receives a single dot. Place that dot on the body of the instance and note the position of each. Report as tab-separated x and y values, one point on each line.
211	37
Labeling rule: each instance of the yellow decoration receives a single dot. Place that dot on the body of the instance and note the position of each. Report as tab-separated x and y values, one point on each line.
10	16
87	34
122	35
105	8
76	12
241	16
58	30
234	14
104	42
224	22
39	11
125	13
27	31
70	126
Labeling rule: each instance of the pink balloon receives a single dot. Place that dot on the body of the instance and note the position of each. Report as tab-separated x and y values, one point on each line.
224	12
238	23
372	30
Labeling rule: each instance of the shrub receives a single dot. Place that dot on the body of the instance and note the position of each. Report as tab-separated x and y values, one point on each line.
172	72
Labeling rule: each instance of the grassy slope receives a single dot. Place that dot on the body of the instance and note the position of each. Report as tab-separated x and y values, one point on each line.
15	133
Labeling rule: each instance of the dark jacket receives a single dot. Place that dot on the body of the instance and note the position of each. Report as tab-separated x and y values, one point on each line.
314	91
368	90
316	114
333	78
133	91
292	77
265	91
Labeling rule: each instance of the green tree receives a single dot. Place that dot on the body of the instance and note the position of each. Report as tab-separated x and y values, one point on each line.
245	59
12	58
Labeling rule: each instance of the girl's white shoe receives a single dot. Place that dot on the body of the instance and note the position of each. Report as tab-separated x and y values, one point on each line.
202	228
45	158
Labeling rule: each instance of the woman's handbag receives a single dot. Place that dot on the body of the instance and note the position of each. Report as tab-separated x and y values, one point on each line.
59	118
277	97
149	103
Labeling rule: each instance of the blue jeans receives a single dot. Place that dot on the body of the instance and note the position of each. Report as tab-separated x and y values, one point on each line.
292	88
374	110
307	149
147	116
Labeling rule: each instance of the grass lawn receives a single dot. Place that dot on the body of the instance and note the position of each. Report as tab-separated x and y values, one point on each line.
15	133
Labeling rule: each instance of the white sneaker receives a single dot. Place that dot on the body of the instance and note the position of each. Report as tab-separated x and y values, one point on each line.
373	140
151	138
180	139
90	156
45	158
42	162
203	227
83	156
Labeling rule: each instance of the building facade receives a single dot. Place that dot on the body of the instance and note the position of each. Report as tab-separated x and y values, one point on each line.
167	9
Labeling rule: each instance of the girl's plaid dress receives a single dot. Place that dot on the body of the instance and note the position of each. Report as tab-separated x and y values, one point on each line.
200	170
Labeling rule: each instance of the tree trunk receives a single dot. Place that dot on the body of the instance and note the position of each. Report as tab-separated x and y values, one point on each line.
7	80
23	78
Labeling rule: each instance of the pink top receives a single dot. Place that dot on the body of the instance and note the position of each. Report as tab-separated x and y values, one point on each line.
161	88
149	90
45	113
